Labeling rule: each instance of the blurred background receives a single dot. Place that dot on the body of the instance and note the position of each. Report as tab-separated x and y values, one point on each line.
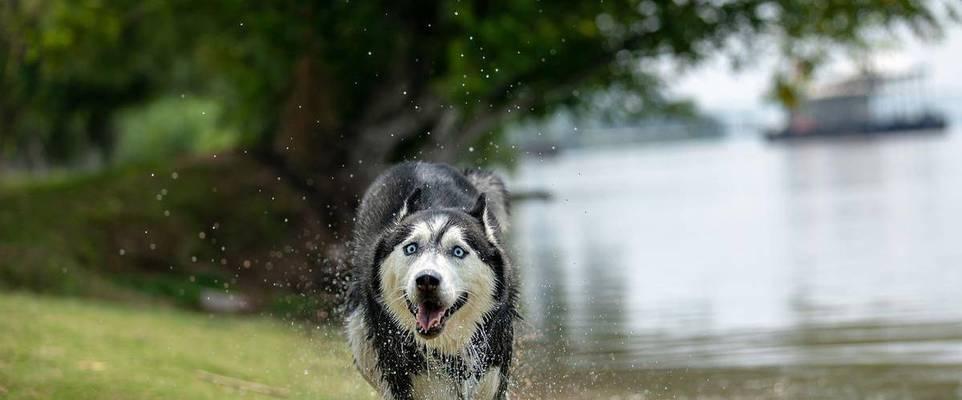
744	199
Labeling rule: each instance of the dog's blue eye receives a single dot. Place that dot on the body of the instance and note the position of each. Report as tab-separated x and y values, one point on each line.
458	252
410	249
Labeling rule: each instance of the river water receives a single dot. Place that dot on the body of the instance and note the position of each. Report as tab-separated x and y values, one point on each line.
743	269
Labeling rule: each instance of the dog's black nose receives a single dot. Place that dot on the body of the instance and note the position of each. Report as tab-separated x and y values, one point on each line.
428	281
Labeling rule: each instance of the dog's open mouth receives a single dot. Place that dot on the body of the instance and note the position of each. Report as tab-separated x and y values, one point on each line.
430	315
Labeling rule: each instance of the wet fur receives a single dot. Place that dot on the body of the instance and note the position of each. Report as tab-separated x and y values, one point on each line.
472	356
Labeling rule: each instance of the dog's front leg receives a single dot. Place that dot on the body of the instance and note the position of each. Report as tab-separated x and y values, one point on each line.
397	386
485	386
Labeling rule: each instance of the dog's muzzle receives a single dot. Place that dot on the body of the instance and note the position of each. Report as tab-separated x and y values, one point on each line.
429	310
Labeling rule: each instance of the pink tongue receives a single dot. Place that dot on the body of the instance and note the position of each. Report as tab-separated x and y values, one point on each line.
428	317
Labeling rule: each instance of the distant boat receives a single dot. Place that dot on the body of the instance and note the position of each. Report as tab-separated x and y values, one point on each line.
869	104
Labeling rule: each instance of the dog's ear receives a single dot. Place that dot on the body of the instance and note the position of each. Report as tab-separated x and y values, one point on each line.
411	204
477	211
480	212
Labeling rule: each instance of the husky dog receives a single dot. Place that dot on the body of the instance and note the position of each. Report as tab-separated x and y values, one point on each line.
431	306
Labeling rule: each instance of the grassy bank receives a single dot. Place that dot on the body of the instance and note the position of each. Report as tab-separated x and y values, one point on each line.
164	233
54	348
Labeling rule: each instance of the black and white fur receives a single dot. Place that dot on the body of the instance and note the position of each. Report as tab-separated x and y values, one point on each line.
435	322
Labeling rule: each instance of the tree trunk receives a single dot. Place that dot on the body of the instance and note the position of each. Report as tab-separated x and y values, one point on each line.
306	137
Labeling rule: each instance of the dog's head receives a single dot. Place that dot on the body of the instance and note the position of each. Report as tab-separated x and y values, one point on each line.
440	271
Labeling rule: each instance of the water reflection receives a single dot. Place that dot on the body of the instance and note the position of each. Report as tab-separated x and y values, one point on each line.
761	265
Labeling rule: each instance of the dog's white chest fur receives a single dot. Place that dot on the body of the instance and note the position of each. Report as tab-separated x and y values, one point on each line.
433	384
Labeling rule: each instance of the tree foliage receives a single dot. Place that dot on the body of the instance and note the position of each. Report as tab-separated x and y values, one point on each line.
329	91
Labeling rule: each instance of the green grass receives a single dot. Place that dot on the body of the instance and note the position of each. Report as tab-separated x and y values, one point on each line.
56	348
